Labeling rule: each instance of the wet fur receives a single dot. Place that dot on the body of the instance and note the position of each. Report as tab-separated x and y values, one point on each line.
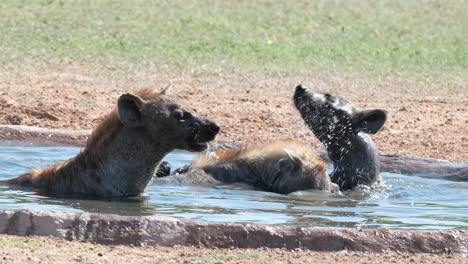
259	166
337	123
343	129
118	160
260	152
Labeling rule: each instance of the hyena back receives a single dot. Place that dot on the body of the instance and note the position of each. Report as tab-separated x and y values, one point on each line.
280	167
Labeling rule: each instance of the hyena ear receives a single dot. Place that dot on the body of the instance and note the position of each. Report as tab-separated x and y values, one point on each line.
369	121
129	108
166	90
291	163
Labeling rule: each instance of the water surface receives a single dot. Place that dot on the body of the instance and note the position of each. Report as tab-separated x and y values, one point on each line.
403	202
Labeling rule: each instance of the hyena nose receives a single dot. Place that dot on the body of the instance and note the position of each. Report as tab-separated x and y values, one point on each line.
214	127
300	90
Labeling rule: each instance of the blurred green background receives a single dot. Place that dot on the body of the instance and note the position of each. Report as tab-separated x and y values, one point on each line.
396	37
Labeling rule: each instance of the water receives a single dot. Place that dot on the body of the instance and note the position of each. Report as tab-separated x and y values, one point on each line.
403	202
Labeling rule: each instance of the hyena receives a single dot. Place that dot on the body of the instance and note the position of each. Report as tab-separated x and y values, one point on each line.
280	167
124	151
342	128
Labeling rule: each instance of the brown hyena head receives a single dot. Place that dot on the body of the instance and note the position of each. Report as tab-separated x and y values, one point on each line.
296	172
167	121
332	118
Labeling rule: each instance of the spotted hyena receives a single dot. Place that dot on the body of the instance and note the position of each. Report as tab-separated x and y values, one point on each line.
289	166
280	167
343	129
124	151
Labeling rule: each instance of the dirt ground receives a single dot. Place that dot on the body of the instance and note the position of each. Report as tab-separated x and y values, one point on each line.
427	118
15	249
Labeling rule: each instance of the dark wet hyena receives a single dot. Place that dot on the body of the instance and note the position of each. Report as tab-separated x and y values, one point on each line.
124	151
342	128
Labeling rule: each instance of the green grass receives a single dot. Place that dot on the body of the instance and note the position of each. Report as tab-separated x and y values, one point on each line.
12	243
388	36
86	102
160	260
47	256
230	257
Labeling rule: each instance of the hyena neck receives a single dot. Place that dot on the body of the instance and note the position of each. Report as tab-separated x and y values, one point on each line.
355	161
122	167
131	161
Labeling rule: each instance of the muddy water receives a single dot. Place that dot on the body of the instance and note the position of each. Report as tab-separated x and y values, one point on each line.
402	202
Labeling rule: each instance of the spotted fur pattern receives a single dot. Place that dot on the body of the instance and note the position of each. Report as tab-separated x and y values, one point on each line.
281	167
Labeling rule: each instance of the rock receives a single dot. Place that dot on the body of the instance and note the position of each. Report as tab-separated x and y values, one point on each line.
166	231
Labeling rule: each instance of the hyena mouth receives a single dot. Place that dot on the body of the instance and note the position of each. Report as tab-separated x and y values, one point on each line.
199	142
198	146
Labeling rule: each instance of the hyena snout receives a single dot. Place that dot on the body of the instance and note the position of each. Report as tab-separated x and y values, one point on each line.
308	96
299	91
209	129
298	94
307	101
213	128
204	131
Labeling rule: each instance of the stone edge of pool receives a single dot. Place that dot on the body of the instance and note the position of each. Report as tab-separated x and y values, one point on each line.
167	231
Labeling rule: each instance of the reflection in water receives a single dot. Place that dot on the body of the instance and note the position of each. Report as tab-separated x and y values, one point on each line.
403	202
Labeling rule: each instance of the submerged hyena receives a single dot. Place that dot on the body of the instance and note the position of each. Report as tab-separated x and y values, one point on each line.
280	167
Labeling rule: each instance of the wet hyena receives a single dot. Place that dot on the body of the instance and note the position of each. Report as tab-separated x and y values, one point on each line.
343	128
280	167
285	167
124	151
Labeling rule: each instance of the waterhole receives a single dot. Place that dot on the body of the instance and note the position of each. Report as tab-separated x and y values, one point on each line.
401	202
